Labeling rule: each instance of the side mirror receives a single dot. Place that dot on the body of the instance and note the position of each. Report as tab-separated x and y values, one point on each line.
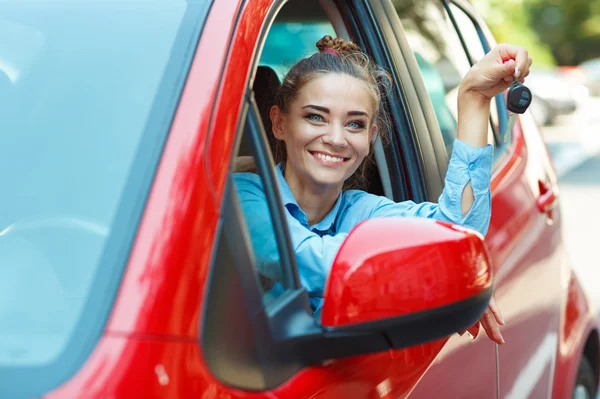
410	280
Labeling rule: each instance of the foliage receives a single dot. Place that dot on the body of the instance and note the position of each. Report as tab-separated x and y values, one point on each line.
567	31
509	21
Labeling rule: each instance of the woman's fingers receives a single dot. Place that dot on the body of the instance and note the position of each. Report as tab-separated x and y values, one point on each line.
491	327
527	70
495	72
522	61
490	321
496	311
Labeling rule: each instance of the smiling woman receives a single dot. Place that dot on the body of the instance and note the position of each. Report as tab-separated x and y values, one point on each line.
326	116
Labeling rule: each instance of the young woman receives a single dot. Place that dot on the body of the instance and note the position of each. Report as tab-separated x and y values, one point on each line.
327	117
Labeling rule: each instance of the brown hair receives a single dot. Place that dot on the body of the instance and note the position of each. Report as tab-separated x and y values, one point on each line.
340	57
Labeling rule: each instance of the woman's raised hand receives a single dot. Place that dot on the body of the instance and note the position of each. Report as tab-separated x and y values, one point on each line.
490	76
495	72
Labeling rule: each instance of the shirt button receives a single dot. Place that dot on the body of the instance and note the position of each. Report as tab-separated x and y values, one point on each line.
472	166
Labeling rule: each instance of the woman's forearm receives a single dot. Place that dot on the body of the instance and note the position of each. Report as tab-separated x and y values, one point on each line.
473	119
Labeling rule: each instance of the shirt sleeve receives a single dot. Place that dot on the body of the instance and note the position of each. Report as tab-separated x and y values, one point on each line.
314	254
467	164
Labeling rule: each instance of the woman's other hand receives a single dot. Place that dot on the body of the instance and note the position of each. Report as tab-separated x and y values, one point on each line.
495	72
491	322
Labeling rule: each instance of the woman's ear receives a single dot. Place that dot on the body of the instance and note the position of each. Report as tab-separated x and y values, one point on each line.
373	134
277	121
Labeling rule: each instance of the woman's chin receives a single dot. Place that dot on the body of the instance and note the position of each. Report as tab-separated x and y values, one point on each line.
331	179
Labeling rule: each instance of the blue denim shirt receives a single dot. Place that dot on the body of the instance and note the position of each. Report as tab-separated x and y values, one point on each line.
317	245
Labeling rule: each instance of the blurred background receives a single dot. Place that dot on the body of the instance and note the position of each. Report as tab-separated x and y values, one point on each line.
563	37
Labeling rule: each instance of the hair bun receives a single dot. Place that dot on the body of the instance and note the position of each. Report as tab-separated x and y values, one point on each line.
338	44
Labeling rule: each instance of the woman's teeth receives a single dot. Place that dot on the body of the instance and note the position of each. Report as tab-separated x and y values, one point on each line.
328	158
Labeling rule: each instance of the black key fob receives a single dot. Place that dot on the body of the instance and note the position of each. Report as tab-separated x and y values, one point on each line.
519	98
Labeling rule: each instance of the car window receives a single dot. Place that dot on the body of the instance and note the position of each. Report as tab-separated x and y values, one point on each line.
441	59
81	84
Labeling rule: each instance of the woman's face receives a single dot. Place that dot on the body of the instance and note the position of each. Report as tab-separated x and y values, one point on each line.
327	131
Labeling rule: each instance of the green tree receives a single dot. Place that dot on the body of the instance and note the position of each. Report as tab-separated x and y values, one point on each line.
563	31
510	22
570	27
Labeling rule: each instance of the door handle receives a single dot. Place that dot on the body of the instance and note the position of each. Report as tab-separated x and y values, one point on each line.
547	199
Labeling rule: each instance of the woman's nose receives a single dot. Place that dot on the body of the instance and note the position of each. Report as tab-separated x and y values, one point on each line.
335	136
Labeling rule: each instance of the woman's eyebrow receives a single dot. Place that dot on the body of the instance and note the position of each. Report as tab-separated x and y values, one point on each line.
326	110
317	107
358	113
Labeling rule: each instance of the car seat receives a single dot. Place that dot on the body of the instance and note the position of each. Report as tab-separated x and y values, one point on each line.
265	86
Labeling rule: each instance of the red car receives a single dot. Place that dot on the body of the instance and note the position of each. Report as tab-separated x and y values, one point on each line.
126	269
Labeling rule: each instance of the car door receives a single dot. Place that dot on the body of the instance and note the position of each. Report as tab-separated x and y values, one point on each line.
525	242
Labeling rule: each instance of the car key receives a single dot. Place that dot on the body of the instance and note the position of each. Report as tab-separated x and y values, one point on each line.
519	98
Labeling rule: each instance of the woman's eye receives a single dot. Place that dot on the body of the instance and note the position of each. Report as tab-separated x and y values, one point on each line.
314	118
356	125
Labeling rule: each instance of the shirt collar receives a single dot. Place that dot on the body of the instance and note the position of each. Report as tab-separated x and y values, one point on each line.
290	202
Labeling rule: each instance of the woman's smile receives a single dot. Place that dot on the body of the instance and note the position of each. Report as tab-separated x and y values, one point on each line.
328	159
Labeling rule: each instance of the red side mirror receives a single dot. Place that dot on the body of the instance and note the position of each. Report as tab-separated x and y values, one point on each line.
393	268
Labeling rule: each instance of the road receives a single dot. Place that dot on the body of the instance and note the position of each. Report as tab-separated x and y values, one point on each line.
574	142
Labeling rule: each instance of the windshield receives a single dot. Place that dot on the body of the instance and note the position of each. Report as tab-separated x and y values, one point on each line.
81	85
